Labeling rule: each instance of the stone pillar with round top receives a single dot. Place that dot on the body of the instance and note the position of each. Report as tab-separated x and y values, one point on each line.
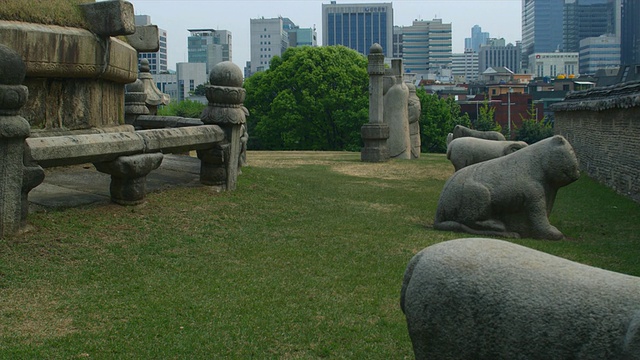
220	165
376	132
14	129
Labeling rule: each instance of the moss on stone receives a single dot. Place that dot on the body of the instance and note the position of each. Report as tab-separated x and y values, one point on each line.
49	12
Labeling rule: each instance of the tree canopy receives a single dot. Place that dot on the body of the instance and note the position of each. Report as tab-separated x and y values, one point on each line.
439	117
486	119
533	130
311	98
185	108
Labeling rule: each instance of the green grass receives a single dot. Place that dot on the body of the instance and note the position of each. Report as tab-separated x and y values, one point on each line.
304	260
48	12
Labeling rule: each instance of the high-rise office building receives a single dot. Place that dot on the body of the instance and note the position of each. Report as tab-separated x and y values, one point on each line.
464	66
426	46
588	18
477	39
269	38
397	42
299	36
541	27
630	32
358	26
602	52
157	60
209	46
496	53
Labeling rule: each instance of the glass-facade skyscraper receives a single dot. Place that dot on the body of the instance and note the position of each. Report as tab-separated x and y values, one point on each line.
630	37
358	26
209	46
587	18
477	39
541	27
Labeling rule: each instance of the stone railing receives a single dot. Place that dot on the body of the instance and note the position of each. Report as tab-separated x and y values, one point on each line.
602	125
63	102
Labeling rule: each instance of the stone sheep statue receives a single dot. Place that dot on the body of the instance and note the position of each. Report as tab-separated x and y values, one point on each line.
467	151
492	299
463	131
509	196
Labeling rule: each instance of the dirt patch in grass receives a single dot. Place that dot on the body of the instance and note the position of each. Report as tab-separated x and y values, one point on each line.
393	170
32	313
348	163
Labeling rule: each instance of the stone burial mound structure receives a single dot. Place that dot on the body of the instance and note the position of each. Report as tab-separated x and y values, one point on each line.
491	299
72	95
509	196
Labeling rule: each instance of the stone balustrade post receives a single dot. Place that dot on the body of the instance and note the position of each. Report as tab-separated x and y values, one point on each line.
376	132
220	165
129	176
14	129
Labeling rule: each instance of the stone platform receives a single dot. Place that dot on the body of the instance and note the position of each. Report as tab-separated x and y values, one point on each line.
81	185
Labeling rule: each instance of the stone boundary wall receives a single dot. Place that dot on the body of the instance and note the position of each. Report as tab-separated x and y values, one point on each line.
603	126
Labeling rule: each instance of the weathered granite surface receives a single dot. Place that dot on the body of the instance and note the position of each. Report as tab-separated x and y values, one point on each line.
376	132
509	196
415	110
396	111
467	151
13	131
463	131
491	299
75	78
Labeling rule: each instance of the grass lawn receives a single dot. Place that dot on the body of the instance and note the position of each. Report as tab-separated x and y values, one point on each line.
304	260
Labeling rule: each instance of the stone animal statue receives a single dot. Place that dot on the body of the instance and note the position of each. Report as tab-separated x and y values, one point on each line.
492	299
509	196
463	131
467	151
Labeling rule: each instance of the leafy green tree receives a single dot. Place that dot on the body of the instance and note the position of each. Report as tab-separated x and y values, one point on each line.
486	119
185	108
533	130
200	90
311	98
439	117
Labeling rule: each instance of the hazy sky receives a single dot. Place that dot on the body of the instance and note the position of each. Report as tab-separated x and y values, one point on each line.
500	18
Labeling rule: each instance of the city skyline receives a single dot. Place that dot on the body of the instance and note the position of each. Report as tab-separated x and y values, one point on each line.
501	18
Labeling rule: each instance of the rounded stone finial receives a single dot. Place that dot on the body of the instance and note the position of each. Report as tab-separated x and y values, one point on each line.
226	73
144	66
12	68
135	87
375	49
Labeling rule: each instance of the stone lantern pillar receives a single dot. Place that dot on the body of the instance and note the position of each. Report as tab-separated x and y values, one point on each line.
14	129
220	165
376	132
155	97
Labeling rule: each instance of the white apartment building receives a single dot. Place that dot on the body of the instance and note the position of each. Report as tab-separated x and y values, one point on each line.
268	39
553	64
188	77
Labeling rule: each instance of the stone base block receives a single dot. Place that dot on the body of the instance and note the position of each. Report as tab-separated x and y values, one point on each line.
129	176
375	138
